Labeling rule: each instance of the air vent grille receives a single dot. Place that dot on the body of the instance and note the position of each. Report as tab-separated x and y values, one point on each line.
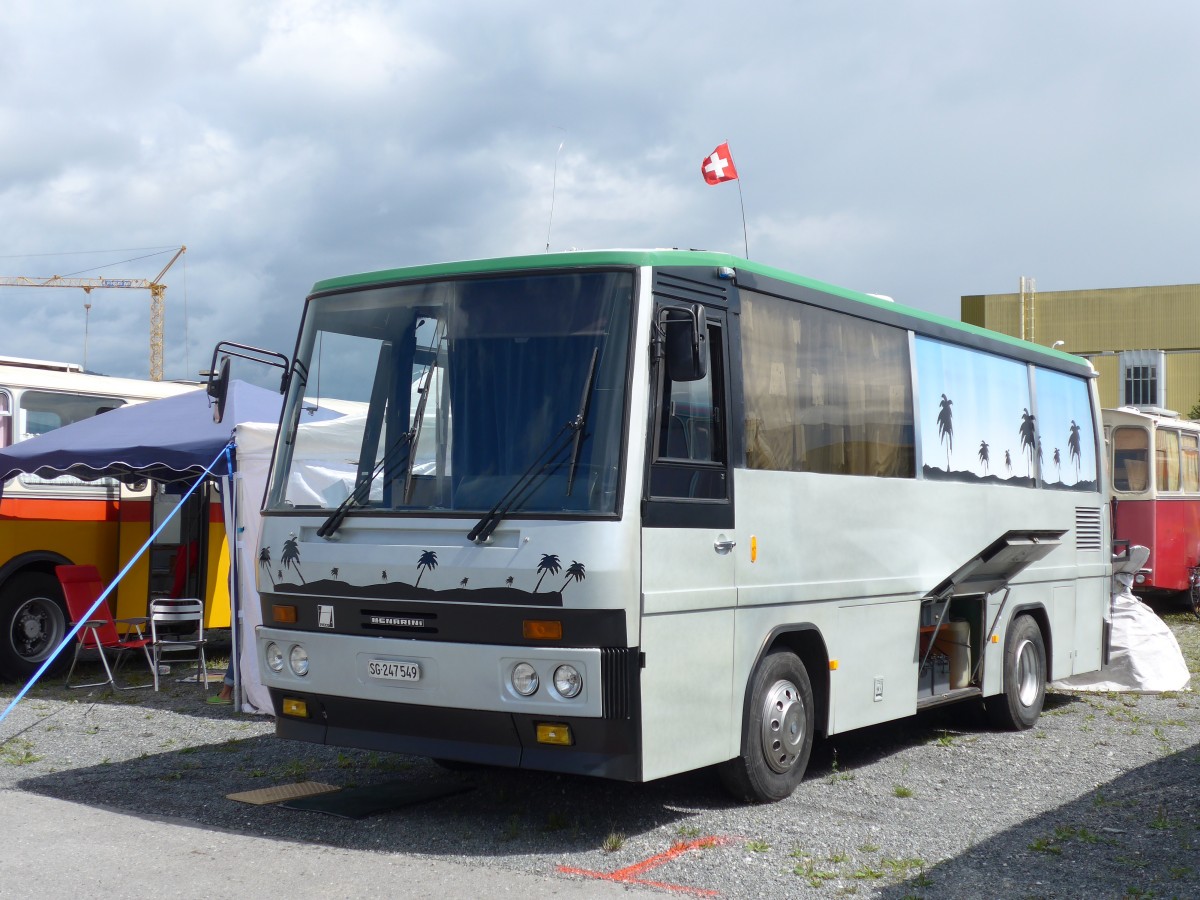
618	667
690	289
1088	533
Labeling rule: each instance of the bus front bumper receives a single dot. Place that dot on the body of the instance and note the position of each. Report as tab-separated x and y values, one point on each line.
605	748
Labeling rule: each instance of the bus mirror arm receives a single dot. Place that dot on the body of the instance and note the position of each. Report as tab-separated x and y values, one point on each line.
218	375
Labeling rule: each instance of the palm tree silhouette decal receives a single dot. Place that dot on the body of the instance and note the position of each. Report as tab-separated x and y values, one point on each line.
508	581
1058	463
984	456
463	583
427	561
291	557
574	571
1028	438
1008	461
264	562
549	564
1073	447
333	572
945	423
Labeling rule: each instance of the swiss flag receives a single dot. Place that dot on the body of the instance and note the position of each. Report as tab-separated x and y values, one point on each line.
718	166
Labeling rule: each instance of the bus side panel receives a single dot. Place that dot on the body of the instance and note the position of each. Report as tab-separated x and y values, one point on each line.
687	693
133	592
216	577
1091	608
846	541
83	531
1177	529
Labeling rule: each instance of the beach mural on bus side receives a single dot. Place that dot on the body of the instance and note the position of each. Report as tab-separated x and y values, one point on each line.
979	422
1071	450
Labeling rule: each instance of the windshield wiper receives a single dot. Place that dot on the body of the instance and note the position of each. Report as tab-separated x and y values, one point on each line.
543	465
363	489
415	431
584	405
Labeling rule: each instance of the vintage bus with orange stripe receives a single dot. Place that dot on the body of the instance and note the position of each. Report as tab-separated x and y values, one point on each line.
46	522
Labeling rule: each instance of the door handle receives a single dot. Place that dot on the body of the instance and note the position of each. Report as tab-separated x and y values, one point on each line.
724	546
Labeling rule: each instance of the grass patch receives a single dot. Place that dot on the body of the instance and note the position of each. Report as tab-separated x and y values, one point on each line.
757	846
807	869
613	842
19	753
900	790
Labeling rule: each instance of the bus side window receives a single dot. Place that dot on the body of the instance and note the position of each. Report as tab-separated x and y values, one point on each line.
1166	460
689	446
6	419
1189	450
1131	456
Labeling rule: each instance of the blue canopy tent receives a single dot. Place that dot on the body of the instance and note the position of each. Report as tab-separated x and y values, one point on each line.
170	440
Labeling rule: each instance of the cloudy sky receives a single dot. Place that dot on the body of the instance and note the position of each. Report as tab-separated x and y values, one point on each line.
923	150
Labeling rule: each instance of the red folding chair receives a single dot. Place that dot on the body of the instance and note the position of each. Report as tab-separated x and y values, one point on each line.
82	586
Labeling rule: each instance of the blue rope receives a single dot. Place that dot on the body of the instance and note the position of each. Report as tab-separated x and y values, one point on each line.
224	454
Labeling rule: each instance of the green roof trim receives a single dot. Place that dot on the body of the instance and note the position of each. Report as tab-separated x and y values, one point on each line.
703	258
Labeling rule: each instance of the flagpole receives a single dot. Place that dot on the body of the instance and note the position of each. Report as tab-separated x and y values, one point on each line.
742	204
745	235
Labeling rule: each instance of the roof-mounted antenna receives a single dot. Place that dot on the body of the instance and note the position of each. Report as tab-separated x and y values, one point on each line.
553	187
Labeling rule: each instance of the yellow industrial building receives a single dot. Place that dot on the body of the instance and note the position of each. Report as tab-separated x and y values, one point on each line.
1143	341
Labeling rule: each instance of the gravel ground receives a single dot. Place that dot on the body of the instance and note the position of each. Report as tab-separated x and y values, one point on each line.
1100	799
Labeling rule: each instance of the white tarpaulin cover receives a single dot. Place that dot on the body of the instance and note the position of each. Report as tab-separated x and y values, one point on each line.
1143	656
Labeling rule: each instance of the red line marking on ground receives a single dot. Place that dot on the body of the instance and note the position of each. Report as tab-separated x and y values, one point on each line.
629	874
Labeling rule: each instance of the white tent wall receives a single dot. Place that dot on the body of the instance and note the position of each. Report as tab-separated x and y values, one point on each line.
321	471
255	442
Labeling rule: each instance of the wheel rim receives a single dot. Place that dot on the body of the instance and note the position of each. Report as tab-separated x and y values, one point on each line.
37	628
1029	673
783	726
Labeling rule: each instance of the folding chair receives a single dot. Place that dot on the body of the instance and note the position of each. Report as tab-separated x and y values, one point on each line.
81	587
171	625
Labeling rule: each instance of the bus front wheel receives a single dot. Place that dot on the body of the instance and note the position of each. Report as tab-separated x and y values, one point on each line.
1020	704
777	732
33	622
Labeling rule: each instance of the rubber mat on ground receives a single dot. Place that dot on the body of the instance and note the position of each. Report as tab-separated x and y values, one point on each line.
370	800
281	792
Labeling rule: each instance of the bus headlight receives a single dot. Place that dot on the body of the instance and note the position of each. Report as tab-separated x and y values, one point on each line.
274	657
298	659
567	681
524	679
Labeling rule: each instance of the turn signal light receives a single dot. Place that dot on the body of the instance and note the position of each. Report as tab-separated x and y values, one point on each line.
283	615
542	630
294	707
554	733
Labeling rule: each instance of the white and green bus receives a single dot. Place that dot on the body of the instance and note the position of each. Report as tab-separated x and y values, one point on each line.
633	513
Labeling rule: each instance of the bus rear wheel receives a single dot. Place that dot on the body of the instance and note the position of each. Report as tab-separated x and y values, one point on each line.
33	622
1020	704
777	732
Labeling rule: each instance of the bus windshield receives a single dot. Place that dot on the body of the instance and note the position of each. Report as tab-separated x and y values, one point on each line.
461	396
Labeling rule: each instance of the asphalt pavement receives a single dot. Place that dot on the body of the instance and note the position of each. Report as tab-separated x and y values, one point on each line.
52	848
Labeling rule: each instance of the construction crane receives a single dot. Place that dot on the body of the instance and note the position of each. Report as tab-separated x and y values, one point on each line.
155	286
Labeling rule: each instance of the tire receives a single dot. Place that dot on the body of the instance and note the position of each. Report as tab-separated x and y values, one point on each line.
777	732
33	622
1020	703
1193	595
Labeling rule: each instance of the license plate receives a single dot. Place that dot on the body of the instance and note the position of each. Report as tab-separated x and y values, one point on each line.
392	670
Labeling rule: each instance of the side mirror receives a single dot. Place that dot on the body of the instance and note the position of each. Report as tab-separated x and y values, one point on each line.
218	390
218	378
685	336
